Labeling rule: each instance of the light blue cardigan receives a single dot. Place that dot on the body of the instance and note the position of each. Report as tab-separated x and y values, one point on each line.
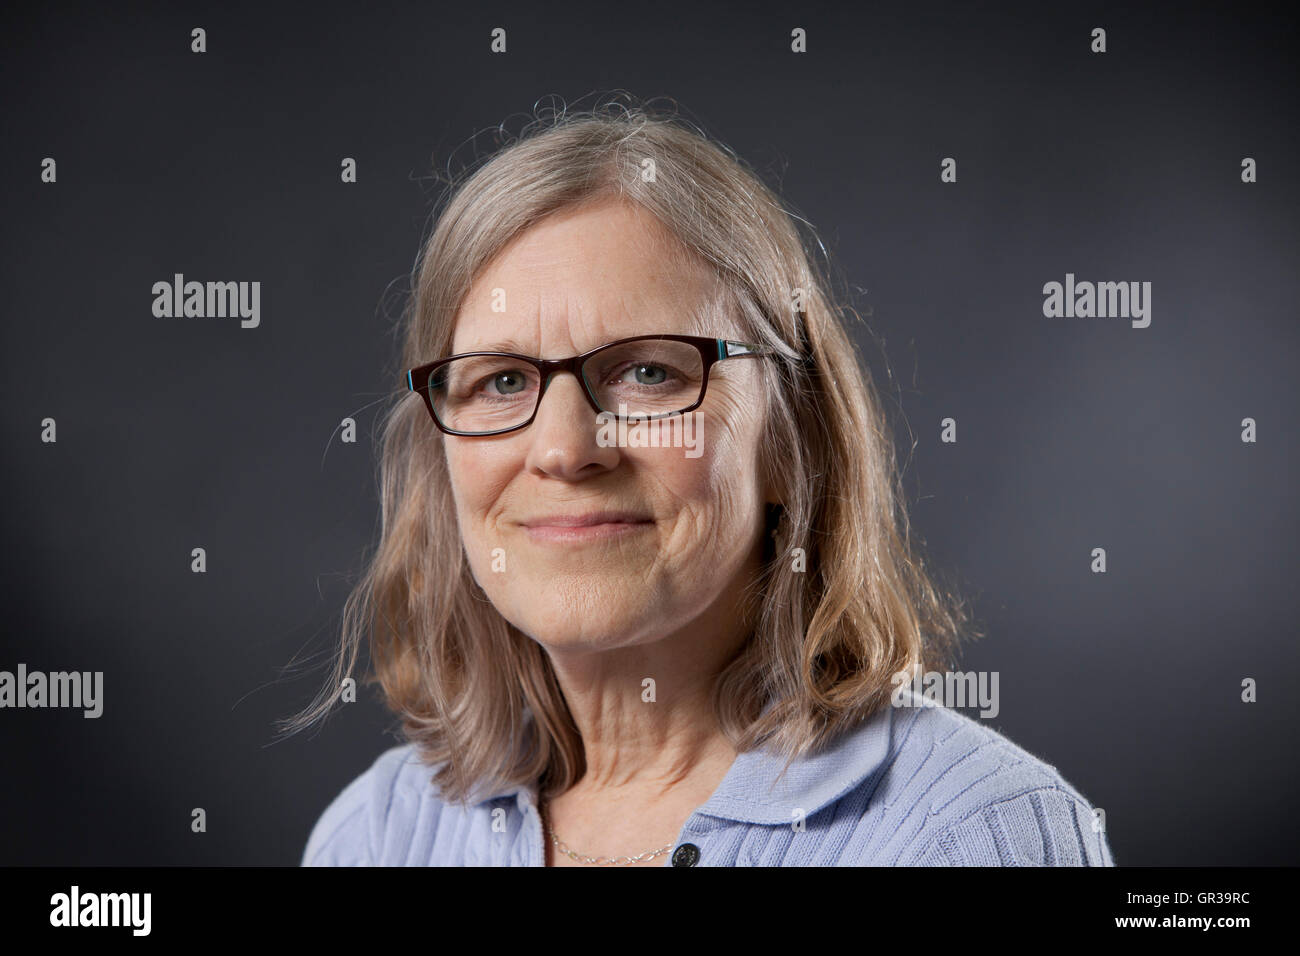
911	786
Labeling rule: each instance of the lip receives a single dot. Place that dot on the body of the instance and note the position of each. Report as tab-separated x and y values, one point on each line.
585	520
593	526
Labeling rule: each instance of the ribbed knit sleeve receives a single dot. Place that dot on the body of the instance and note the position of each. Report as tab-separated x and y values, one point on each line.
1043	827
357	819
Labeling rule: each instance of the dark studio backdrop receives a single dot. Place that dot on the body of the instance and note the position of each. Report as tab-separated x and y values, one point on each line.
1073	433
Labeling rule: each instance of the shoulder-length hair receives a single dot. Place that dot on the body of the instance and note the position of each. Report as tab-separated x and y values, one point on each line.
844	602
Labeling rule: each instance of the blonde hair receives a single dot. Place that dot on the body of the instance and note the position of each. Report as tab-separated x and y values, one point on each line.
477	697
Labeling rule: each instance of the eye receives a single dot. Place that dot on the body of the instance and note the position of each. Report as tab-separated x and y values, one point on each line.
509	382
646	374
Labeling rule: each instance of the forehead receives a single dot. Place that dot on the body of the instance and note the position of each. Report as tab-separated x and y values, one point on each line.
584	276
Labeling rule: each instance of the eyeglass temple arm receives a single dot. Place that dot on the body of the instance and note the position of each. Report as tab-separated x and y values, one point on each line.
728	348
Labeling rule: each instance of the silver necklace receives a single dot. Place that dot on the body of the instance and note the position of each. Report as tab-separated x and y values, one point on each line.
601	860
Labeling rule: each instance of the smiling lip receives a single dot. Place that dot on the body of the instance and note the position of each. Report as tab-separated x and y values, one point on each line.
594	526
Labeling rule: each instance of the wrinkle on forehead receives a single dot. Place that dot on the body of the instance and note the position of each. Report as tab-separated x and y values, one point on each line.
562	302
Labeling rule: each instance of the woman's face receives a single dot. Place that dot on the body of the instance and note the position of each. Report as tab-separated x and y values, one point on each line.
579	279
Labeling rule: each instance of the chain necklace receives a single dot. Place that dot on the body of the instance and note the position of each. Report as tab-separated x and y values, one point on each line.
600	860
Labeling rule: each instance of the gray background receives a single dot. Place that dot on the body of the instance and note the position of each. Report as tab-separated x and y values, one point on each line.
1073	433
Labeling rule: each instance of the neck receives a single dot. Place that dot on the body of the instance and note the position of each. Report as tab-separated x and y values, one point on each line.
647	737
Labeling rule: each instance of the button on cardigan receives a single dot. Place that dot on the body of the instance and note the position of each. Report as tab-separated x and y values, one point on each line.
918	785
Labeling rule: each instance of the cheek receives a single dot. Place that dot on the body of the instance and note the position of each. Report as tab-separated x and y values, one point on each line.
732	448
475	480
717	492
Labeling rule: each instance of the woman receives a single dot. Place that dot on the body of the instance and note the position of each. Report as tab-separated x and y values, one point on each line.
611	646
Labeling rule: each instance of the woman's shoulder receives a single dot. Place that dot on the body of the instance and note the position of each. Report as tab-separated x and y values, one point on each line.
354	828
965	793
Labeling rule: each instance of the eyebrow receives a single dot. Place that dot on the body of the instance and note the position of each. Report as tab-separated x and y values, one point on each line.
519	350
496	347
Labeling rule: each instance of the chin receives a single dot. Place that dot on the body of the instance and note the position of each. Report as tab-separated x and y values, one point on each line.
568	627
576	637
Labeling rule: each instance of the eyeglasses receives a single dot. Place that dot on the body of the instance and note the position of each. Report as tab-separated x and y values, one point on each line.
644	377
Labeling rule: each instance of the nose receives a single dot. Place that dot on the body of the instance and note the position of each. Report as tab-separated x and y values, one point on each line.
563	436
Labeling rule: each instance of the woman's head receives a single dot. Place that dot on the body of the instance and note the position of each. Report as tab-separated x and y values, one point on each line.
589	228
584	276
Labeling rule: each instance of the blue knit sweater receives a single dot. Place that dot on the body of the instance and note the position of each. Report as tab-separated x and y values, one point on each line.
911	786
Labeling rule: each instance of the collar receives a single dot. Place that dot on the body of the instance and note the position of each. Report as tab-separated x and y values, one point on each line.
754	791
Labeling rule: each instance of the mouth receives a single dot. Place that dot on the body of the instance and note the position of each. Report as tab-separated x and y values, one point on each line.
584	528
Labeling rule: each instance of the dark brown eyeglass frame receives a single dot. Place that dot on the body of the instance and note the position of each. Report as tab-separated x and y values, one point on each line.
711	350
